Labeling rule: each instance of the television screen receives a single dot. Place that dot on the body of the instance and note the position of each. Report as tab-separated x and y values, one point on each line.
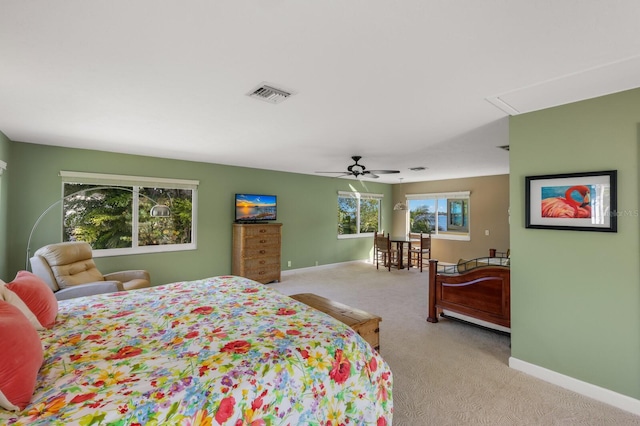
255	207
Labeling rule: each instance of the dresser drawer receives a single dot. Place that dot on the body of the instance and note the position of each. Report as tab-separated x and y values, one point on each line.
261	262
261	242
264	251
257	230
265	275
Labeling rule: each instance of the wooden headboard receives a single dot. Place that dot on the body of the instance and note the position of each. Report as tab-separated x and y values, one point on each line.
482	292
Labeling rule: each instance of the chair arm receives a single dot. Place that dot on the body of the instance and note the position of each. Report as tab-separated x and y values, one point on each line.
124	276
41	268
90	289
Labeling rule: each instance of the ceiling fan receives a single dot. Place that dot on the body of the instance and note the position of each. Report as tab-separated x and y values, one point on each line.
358	170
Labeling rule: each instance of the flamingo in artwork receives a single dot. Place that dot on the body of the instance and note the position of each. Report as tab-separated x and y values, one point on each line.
567	206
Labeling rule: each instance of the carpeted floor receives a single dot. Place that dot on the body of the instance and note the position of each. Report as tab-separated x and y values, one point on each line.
448	373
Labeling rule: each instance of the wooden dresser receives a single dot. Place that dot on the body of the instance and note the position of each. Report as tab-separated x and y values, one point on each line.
256	251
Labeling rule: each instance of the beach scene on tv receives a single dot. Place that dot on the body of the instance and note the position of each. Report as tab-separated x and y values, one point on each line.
255	207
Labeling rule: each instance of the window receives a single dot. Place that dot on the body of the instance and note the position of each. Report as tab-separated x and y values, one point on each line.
445	215
458	215
358	214
113	213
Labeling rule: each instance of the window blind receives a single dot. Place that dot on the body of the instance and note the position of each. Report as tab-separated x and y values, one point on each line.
123	180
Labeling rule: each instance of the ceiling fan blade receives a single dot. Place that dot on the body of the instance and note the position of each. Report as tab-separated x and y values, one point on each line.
384	172
357	170
342	174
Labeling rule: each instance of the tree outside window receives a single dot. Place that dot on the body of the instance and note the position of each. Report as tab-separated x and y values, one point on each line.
422	218
369	215
445	215
358	214
347	216
105	218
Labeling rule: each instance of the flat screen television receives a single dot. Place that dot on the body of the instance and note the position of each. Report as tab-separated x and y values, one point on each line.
256	207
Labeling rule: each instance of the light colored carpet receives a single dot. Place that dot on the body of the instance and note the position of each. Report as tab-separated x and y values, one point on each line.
447	373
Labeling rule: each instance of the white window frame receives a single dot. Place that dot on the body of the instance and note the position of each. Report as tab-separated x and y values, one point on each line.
360	196
135	182
449	235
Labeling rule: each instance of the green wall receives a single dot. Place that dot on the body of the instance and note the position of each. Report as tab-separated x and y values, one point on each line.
4	201
307	208
576	295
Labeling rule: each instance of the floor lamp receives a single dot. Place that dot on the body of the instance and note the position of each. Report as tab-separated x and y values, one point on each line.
158	210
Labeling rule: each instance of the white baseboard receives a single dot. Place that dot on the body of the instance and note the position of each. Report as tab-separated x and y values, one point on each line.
607	396
327	266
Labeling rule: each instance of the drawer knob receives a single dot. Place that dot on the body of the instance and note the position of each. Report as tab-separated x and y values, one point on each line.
263	251
263	241
263	230
262	262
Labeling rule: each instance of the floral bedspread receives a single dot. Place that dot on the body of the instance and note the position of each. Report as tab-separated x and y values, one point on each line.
224	350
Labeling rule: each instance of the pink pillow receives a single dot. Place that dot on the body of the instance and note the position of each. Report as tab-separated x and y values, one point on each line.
20	358
37	295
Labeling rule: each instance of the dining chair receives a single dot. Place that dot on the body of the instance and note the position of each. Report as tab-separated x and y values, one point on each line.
420	252
383	251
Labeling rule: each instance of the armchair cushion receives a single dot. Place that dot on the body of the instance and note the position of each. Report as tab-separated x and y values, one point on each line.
71	263
89	289
77	273
131	279
135	284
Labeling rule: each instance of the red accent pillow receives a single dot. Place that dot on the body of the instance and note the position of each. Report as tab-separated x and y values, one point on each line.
20	358
37	295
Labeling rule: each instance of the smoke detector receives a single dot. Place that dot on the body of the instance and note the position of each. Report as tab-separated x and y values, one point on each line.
269	93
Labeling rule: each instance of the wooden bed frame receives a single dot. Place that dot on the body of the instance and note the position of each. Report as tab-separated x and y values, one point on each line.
482	291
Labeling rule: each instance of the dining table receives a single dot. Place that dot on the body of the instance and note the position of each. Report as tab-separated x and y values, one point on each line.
400	241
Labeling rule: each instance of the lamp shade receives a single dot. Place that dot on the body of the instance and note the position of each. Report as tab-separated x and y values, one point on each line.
401	206
160	210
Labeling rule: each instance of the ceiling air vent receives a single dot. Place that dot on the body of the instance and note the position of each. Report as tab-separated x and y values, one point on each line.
269	94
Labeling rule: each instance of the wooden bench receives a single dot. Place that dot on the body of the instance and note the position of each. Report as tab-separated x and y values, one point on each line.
363	323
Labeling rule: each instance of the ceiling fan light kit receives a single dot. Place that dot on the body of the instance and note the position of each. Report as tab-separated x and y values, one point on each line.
357	170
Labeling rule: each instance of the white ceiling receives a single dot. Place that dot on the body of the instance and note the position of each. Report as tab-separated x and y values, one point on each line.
402	83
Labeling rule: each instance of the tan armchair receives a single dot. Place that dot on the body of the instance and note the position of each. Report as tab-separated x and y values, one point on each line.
69	269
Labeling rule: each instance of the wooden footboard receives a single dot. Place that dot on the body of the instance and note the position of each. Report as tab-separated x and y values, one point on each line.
483	293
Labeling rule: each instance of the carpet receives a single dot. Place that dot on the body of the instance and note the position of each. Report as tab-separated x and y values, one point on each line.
449	373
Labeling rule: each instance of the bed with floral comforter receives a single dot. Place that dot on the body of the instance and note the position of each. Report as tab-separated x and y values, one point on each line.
224	350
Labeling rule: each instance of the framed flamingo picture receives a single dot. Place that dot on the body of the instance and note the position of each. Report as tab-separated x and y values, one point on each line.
572	201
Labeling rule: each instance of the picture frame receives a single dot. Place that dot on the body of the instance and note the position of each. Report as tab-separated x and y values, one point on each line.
572	201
